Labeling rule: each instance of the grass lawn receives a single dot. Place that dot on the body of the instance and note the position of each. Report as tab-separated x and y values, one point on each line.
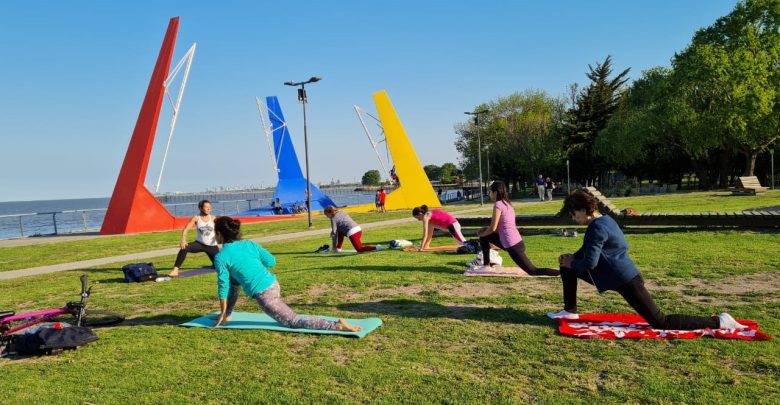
446	338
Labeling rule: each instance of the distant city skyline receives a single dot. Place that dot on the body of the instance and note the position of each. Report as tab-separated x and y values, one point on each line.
74	75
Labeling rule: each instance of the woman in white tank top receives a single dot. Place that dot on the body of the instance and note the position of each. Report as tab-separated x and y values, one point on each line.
206	240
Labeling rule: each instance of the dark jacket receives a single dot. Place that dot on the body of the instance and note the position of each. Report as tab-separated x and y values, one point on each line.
604	255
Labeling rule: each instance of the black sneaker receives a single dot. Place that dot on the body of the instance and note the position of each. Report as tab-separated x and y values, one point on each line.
322	249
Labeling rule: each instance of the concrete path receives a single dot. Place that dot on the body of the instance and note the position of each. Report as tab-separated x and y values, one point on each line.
136	257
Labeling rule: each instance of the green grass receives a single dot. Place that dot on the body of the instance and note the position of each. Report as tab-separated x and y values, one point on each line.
72	251
446	338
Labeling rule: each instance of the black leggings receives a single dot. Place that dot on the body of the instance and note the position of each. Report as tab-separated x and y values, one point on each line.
637	296
196	247
516	252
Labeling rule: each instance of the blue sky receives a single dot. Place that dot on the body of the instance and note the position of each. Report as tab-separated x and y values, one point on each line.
73	76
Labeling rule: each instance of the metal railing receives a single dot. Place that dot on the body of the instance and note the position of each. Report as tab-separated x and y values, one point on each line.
87	220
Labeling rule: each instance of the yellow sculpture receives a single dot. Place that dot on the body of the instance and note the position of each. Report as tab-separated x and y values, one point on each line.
415	189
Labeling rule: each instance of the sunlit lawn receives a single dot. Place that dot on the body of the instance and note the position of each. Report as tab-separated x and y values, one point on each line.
446	338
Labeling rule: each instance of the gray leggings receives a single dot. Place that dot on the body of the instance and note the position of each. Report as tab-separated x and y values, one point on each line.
270	301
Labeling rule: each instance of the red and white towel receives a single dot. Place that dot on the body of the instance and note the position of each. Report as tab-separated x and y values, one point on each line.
632	326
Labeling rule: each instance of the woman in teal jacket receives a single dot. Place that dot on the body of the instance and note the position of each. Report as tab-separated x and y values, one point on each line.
244	264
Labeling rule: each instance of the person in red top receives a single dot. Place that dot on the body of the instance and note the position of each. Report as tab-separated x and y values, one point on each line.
382	197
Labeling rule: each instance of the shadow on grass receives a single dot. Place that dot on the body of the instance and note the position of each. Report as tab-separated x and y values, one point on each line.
158	320
362	267
420	309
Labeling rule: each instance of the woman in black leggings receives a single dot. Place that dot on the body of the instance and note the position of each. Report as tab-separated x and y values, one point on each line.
503	234
603	262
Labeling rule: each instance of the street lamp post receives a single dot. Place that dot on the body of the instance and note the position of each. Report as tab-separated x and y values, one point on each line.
487	160
476	115
772	154
302	98
568	179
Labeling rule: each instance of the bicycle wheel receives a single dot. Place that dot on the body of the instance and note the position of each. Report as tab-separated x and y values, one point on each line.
101	318
92	318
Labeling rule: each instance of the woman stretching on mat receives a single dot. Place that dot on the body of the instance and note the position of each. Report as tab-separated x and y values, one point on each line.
205	242
603	261
342	225
244	264
436	219
503	234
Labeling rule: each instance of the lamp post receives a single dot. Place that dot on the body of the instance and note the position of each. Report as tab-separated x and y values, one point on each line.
772	154
302	98
568	179
476	115
487	160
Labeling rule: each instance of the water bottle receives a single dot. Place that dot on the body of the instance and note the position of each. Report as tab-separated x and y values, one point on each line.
164	278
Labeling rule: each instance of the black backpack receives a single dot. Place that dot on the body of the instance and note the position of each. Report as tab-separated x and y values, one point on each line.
51	340
471	246
138	272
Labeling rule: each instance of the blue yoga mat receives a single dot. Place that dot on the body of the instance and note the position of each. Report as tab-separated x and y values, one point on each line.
256	320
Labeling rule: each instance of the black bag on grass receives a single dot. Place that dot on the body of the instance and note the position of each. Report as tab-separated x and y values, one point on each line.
138	272
52	340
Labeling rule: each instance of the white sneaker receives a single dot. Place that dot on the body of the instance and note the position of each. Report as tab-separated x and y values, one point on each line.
562	314
338	250
476	262
380	247
727	321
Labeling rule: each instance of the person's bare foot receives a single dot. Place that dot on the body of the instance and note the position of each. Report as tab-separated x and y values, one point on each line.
215	317
343	325
174	273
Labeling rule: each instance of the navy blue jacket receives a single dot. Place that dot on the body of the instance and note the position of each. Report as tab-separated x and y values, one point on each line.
604	255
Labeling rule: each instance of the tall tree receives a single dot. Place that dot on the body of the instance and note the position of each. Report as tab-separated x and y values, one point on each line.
729	81
594	106
521	132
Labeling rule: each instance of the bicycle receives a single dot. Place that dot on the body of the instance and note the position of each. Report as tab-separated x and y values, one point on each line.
75	313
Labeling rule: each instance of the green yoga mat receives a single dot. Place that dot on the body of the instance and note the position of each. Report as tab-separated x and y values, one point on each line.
256	320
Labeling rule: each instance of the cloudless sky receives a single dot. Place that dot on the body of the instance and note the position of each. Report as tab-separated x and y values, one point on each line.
73	75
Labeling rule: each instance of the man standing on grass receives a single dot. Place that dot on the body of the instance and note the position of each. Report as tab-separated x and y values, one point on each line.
540	187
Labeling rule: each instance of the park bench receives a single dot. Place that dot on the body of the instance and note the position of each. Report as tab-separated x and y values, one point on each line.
748	185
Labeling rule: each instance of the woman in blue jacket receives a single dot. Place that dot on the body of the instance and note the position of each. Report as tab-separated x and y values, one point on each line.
603	261
244	264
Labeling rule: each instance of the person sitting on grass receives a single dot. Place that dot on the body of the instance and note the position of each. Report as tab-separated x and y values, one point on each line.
342	225
436	219
205	242
603	261
244	264
503	234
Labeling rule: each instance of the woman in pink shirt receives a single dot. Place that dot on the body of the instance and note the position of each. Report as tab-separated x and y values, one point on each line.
436	219
503	234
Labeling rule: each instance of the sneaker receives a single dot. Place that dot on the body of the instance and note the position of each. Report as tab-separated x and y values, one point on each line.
476	262
338	250
562	314
380	247
322	249
726	321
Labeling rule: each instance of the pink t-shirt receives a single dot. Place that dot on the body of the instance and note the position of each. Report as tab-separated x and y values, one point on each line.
440	219
507	227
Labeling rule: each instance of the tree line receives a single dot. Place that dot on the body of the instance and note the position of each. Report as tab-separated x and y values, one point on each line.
715	112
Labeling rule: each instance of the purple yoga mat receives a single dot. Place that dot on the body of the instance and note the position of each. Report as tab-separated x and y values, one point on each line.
196	272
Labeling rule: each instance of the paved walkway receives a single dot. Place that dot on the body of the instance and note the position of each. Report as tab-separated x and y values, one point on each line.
135	257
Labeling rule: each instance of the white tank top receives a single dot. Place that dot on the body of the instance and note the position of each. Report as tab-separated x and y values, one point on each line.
206	233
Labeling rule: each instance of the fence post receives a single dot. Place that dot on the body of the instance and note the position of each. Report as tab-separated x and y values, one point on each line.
84	217
54	219
21	228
